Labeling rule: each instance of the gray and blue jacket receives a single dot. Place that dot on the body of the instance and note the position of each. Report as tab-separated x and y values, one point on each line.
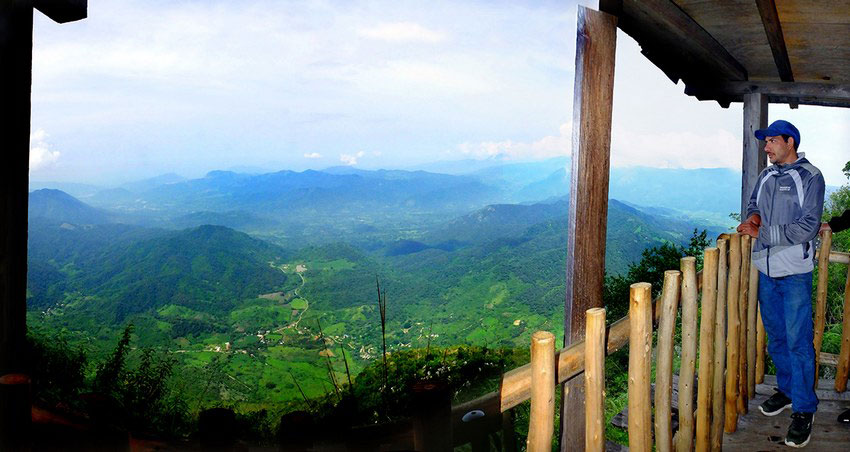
789	199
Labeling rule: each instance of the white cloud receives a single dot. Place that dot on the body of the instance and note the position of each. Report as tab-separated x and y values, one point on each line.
313	155
546	147
40	154
349	159
402	32
717	148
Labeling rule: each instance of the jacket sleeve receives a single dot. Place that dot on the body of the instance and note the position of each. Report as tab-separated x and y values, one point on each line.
752	206
841	222
804	228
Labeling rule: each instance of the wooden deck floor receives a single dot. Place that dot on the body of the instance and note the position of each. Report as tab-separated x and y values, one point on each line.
757	432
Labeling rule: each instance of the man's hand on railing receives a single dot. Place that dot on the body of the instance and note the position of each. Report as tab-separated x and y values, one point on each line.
751	226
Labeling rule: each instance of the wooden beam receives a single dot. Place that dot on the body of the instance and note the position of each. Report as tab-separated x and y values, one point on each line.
62	11
805	93
16	83
596	43
755	117
773	29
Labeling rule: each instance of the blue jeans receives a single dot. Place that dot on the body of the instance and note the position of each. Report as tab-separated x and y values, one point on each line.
786	310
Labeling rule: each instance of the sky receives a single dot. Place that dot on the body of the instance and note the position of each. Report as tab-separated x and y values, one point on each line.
142	88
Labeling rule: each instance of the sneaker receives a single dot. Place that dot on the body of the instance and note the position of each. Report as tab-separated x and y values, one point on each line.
775	404
800	431
844	418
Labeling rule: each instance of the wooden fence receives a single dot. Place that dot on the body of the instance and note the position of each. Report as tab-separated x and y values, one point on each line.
731	343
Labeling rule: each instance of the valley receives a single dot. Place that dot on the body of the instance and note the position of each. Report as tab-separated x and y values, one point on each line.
257	306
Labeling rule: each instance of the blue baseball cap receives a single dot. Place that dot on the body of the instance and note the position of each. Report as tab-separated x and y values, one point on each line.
779	127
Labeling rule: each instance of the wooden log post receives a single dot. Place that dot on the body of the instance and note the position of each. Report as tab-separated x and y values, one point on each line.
640	356
743	303
685	435
719	365
761	339
664	363
542	417
594	380
843	367
733	327
752	330
706	357
820	305
596	42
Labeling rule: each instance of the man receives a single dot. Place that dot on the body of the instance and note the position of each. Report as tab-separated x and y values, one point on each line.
784	215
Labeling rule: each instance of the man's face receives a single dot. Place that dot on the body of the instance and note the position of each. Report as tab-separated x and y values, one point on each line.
778	151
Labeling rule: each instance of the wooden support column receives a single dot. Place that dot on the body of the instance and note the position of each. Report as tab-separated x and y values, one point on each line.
16	18
755	160
16	82
592	103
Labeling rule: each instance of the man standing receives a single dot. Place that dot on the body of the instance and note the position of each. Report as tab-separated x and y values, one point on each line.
784	215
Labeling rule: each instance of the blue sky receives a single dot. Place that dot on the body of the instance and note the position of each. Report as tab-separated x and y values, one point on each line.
142	88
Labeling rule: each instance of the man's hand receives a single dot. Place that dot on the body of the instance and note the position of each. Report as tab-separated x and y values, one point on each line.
749	229
751	226
825	227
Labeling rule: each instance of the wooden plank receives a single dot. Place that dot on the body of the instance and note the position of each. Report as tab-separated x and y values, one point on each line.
668	23
754	158
773	30
596	42
804	91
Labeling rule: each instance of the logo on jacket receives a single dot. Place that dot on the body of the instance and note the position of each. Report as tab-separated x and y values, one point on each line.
784	188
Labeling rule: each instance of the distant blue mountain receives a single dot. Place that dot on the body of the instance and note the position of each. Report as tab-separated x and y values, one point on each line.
61	207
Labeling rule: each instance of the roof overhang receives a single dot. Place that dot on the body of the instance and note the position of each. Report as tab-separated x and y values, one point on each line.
794	51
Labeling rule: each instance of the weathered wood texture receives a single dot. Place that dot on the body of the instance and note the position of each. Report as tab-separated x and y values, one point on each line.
684	439
762	433
640	348
820	304
721	49
664	361
743	302
752	329
754	157
594	380
837	257
719	365
733	326
596	41
706	353
773	30
843	367
542	416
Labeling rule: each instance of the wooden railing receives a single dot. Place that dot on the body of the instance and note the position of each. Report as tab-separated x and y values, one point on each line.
731	336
